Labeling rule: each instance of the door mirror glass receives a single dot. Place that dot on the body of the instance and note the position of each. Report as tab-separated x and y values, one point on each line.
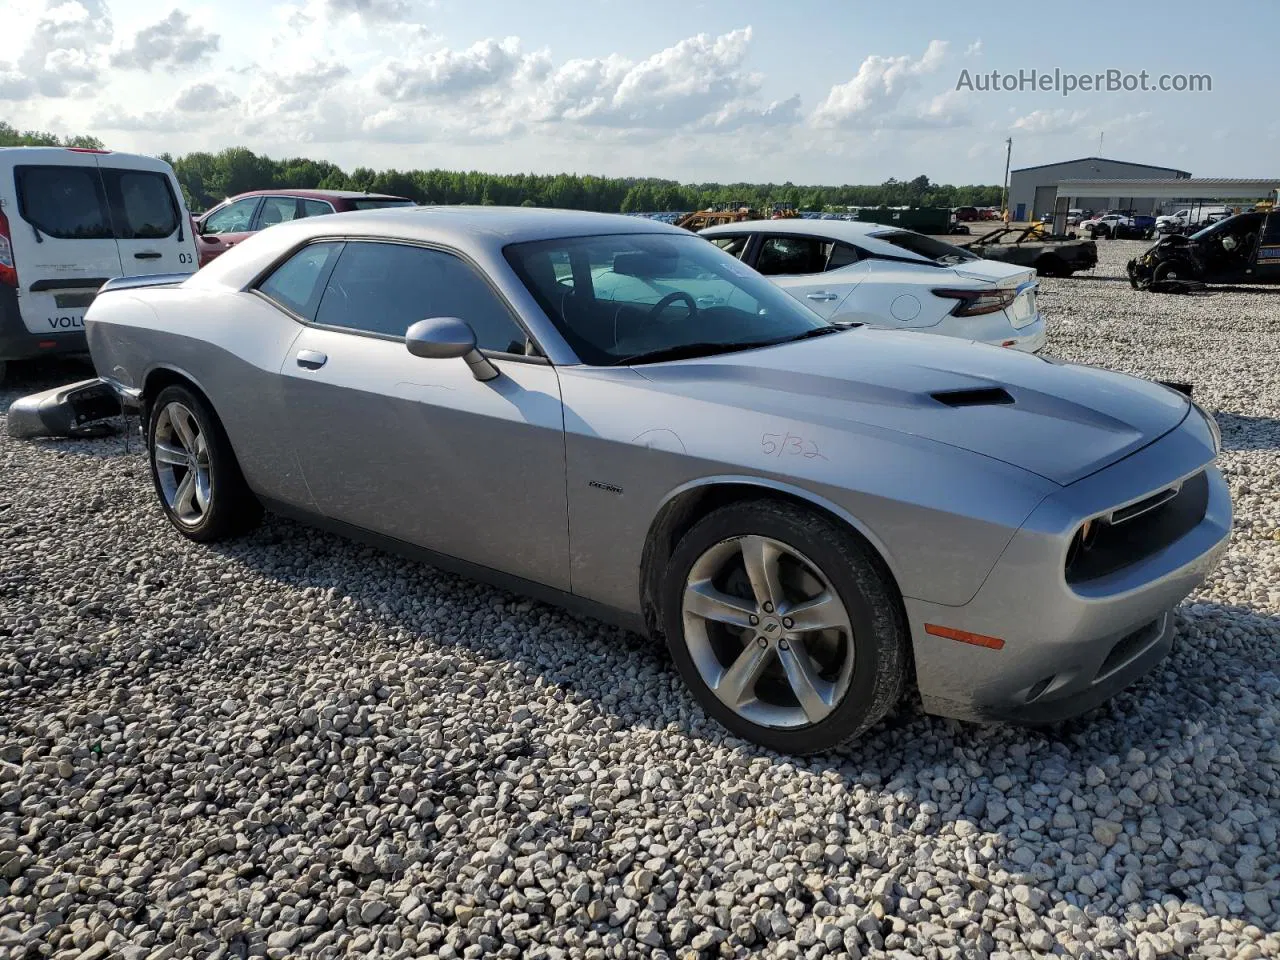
440	338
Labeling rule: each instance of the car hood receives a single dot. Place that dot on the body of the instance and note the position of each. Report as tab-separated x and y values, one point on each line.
1057	420
995	272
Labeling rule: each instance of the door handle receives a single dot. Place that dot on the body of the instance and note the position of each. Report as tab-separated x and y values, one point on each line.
822	296
311	359
147	255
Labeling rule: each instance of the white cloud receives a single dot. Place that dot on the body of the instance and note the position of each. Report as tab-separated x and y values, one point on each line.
1050	121
170	43
373	11
65	50
450	72
974	49
204	98
877	88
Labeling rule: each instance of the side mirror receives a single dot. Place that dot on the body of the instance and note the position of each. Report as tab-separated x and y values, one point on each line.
447	338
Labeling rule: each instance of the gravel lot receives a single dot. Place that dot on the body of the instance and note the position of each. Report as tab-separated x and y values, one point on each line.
296	747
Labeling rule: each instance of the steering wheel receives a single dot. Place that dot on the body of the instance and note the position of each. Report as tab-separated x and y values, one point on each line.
656	310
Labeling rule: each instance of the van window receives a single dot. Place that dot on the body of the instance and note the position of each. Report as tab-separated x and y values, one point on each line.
64	202
91	203
145	202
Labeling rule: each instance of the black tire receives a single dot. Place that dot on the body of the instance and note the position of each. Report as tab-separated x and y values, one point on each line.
232	507
1051	266
1169	270
881	647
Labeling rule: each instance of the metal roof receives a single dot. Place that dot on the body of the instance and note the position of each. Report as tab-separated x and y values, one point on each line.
1126	163
1170	188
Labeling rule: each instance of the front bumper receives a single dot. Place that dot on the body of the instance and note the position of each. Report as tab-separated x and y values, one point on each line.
1069	647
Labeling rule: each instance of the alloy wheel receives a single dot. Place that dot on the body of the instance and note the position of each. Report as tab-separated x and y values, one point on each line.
768	632
181	454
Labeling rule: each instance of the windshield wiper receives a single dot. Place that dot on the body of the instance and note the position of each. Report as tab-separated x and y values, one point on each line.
685	351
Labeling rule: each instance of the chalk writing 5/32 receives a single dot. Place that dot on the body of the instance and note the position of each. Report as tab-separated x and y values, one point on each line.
789	445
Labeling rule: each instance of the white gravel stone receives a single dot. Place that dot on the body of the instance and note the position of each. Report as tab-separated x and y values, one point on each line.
296	746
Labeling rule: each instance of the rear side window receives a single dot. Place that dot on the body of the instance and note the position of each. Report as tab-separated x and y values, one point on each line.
144	201
841	255
315	208
277	210
64	202
298	283
376	204
385	288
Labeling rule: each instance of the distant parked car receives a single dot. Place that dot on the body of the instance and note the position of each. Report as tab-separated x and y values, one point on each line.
891	278
70	220
966	214
237	217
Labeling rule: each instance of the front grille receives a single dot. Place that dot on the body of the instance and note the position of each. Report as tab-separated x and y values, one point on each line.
1139	530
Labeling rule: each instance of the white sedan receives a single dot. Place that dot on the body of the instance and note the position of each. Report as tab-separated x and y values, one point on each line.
891	278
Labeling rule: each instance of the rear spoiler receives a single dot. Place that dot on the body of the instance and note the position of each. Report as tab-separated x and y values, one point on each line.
133	283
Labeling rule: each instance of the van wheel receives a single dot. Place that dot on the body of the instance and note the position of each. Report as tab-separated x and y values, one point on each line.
785	625
201	488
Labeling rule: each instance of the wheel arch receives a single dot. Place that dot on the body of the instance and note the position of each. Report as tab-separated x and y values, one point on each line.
162	376
687	504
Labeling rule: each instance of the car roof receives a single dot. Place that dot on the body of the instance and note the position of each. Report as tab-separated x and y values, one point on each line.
307	193
479	231
851	230
53	155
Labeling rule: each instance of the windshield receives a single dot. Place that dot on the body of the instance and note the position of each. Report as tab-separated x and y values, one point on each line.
619	298
922	246
1241	223
377	204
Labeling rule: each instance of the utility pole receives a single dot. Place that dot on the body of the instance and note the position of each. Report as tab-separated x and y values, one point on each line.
1100	135
1004	191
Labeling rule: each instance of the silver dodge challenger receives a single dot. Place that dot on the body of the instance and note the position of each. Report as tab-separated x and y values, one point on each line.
613	414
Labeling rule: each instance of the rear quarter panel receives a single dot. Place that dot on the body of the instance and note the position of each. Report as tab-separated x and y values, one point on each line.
229	344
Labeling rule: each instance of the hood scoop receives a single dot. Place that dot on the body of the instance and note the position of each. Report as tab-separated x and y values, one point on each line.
975	397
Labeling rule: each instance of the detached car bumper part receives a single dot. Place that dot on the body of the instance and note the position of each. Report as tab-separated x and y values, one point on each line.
75	410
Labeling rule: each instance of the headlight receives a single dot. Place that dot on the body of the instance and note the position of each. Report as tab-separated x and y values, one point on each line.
1213	428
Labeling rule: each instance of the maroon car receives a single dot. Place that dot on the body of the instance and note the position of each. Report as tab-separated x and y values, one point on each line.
235	218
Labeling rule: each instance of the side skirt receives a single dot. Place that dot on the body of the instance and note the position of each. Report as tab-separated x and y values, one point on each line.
473	571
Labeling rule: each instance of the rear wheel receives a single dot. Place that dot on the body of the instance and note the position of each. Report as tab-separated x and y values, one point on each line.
1051	266
201	488
786	626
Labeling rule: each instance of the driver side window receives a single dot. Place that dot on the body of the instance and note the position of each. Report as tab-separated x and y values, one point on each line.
233	218
385	288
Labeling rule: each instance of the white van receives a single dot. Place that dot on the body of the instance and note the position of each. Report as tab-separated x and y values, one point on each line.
70	220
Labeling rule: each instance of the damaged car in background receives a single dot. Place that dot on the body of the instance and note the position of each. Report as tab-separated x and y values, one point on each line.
1051	255
613	414
1244	248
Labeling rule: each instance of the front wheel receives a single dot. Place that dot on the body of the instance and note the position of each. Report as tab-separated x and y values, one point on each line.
1169	271
785	625
201	488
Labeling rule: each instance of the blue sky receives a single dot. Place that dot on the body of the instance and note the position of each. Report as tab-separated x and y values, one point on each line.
828	92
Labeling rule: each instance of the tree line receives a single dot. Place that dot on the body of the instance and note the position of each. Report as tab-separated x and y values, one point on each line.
208	178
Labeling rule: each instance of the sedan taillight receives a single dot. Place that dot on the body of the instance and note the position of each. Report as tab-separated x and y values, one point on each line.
975	303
